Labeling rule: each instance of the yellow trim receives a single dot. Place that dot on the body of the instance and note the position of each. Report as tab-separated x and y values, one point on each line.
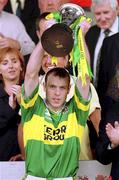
80	105
30	103
37	127
82	64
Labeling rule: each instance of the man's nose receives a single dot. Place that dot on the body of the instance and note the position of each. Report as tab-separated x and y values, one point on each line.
49	1
102	17
57	91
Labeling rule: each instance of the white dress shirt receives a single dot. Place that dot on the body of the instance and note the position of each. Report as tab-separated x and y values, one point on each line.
12	27
113	30
14	5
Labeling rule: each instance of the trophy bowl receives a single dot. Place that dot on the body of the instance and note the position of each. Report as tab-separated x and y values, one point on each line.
58	40
70	12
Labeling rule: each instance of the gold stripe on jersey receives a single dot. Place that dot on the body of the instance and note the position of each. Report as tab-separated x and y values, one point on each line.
80	105
40	130
30	103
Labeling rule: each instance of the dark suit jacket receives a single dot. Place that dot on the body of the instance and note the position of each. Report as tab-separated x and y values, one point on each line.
28	16
103	154
107	71
91	41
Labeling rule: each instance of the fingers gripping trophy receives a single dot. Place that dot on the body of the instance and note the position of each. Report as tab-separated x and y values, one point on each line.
66	38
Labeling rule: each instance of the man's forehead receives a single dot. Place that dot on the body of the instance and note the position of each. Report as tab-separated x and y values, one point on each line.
55	1
47	23
53	79
58	58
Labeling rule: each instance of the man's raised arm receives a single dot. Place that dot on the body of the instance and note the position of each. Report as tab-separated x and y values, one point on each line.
32	70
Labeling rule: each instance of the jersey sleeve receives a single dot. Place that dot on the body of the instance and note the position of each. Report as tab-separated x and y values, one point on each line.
81	107
27	104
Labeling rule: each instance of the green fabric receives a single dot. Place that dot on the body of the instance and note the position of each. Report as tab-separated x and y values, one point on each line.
57	154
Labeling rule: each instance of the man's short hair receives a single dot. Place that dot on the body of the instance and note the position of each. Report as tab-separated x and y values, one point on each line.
42	16
113	3
59	72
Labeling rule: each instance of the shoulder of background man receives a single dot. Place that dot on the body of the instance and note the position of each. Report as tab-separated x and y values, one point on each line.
93	32
111	45
114	38
91	39
9	16
30	9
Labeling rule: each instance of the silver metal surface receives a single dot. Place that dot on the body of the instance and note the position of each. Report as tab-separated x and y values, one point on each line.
70	12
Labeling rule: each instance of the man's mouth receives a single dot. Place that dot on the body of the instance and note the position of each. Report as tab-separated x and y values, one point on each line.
56	100
50	67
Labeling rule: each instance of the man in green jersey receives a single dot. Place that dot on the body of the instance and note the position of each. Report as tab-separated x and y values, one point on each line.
52	127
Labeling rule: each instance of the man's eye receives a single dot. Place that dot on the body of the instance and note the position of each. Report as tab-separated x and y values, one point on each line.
52	86
62	88
97	14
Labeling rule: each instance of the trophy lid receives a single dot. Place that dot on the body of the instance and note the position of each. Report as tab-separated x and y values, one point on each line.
70	12
58	40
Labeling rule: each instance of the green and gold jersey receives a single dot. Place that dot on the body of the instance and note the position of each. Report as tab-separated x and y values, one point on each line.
52	141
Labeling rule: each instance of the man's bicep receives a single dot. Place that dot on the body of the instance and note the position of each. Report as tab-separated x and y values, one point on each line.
29	85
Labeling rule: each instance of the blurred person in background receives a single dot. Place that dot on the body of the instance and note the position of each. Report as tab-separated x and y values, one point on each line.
107	24
11	77
107	148
27	11
51	5
13	33
86	5
105	13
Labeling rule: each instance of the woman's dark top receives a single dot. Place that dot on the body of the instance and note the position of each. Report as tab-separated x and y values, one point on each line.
9	120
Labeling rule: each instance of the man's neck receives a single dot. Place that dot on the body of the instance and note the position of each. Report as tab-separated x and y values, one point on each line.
54	110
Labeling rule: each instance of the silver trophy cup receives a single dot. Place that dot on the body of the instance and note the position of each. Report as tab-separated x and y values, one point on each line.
70	12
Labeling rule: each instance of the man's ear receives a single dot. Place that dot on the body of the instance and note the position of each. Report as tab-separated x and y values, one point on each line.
117	10
38	34
69	89
66	60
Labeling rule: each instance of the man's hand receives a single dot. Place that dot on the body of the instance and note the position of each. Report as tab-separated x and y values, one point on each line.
9	42
85	26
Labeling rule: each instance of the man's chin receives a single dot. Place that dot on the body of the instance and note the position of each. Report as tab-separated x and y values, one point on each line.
51	10
57	107
49	68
